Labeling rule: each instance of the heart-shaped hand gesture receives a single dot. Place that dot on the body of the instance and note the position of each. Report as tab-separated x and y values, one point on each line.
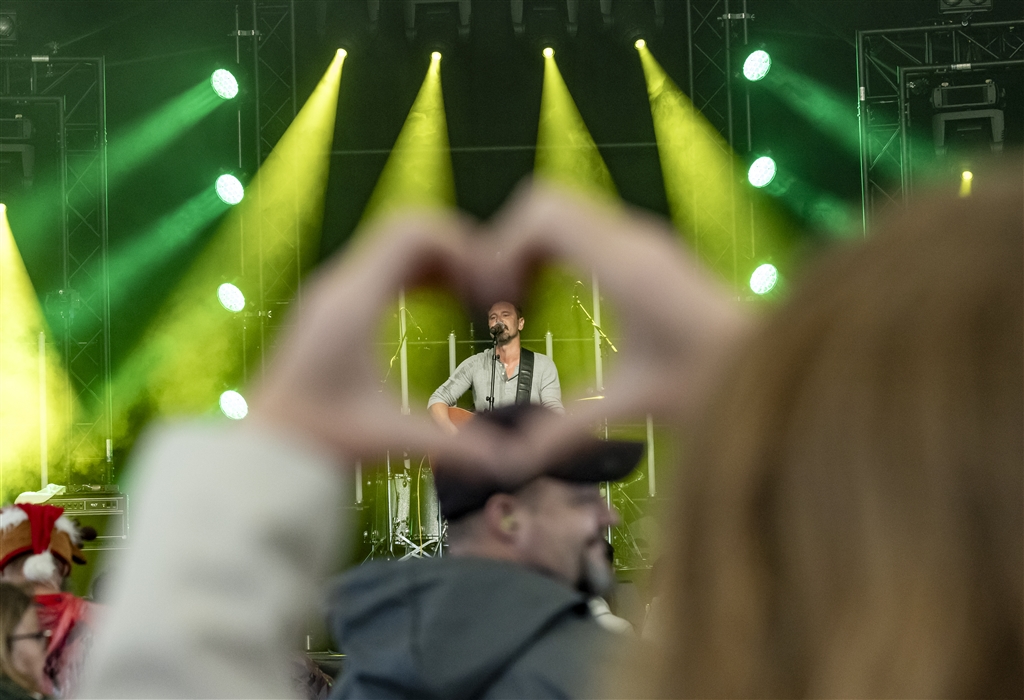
678	324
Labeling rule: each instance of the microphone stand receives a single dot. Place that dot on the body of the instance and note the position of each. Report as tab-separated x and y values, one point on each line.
494	367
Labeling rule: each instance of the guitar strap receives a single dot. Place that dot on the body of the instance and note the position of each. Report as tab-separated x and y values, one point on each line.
525	377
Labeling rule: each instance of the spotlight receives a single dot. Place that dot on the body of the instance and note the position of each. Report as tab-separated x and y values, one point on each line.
231	297
762	171
8	27
342	52
966	179
224	84
639	44
548	52
764	279
435	56
757	65
233	405
229	189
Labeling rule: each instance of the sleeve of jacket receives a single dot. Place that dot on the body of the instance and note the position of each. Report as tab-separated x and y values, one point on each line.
235	532
549	389
456	385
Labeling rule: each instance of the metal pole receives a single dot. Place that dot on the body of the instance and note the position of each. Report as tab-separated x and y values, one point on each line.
108	391
403	352
44	475
451	354
391	516
598	362
652	486
904	141
862	119
359	482
549	346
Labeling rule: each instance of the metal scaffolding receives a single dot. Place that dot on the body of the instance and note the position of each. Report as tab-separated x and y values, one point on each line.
714	28
887	62
273	106
82	304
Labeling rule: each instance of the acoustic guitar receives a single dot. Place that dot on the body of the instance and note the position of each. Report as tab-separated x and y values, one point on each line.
459	416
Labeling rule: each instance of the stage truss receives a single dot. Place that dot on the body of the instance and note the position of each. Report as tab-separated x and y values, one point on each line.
78	312
888	60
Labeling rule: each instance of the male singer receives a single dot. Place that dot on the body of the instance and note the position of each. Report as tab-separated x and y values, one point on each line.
520	376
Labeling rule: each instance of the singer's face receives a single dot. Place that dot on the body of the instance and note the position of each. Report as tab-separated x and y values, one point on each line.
505	313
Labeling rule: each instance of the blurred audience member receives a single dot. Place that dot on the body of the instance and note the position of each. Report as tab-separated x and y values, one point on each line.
850	522
23	646
38	546
505	615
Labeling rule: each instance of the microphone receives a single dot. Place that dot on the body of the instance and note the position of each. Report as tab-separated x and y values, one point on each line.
497	329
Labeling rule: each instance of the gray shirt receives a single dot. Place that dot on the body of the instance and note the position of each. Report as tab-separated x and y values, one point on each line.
475	372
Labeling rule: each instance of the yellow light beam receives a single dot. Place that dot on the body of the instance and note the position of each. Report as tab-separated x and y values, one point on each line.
418	172
566	152
707	203
34	398
195	348
561	300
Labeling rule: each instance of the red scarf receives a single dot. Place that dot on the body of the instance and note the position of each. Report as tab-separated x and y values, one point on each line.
59	613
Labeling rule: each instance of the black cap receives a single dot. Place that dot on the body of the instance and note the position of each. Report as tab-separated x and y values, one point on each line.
462	491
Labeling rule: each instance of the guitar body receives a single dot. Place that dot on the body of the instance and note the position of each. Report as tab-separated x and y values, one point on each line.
459	416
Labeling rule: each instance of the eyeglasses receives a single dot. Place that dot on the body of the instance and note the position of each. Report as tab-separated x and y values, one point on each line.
40	636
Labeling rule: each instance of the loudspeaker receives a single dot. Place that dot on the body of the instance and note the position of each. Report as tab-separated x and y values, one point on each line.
107	513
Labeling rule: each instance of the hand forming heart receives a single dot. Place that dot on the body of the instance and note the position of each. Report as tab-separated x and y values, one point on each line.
677	325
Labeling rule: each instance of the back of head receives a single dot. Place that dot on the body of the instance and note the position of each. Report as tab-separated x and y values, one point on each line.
852	517
14	602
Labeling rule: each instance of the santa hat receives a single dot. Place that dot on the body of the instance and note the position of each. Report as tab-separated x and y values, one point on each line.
44	531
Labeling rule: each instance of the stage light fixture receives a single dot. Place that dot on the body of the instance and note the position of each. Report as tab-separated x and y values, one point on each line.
762	171
342	53
435	56
757	65
231	297
966	180
229	189
233	405
548	52
764	279
224	84
639	44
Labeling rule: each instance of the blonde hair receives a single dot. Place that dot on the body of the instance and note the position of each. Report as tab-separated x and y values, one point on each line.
14	603
851	520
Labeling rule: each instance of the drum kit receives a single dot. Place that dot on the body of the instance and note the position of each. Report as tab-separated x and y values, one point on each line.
404	518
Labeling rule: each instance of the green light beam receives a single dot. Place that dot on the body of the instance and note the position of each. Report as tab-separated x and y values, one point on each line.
145	139
130	265
126	151
194	349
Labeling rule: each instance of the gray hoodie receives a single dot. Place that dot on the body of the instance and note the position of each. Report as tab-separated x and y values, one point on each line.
460	627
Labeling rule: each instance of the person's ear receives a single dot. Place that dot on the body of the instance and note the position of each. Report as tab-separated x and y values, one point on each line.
522	321
502	515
